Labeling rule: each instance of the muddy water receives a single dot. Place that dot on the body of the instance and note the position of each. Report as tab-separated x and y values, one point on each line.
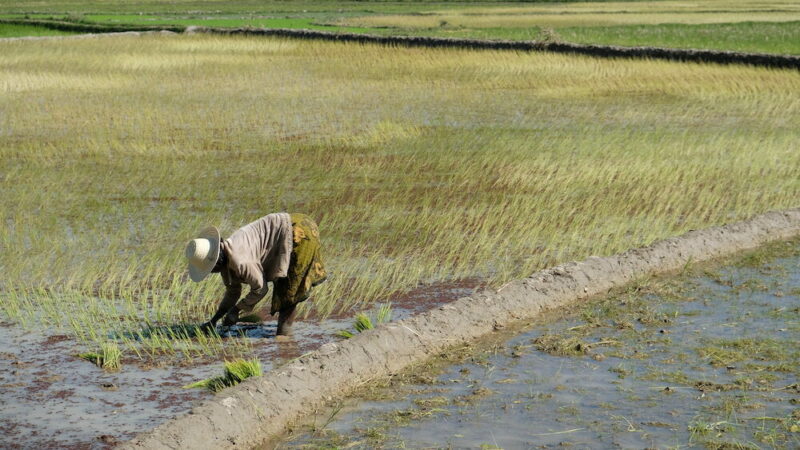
49	398
709	359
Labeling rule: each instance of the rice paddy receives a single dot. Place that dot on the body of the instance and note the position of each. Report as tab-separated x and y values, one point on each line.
422	166
766	26
429	171
8	31
705	359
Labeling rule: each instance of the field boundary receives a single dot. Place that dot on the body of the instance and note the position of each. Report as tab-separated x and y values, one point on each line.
83	27
603	51
246	415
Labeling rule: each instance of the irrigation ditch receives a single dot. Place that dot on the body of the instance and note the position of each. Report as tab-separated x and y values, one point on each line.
245	415
604	51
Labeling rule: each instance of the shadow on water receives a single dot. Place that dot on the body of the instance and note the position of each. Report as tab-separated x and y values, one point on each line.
194	330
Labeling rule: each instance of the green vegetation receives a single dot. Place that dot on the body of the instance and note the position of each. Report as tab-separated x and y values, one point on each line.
753	26
364	322
235	372
489	165
561	346
108	358
724	352
210	7
759	37
767	26
12	30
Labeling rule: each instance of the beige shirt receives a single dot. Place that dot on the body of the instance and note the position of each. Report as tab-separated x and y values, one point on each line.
257	254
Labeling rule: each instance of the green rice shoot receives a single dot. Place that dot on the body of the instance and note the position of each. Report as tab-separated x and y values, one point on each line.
363	322
108	358
235	372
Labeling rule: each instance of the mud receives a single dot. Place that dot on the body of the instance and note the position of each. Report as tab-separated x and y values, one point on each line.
245	415
52	399
668	363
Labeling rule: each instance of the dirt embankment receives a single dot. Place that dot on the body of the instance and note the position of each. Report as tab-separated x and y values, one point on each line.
88	27
245	415
606	51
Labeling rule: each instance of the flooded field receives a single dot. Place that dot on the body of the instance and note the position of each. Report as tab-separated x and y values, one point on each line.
50	398
709	358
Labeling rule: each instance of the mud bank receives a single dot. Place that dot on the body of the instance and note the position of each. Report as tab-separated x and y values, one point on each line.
244	416
605	51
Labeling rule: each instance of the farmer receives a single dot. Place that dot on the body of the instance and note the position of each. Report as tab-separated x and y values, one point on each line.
281	248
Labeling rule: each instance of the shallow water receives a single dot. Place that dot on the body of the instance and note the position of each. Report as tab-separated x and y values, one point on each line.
49	398
703	360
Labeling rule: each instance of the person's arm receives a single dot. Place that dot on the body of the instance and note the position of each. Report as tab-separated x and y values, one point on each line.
253	276
233	290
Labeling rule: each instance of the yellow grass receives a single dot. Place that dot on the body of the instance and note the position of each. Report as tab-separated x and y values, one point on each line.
557	15
420	164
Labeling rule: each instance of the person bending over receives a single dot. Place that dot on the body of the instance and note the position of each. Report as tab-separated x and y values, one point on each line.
280	248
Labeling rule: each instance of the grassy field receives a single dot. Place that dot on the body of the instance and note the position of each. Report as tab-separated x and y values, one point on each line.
10	30
768	26
594	14
421	165
765	37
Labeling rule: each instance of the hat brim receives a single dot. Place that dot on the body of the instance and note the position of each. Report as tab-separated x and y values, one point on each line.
199	271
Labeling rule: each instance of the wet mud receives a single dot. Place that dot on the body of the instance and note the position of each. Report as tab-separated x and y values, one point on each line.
707	359
52	399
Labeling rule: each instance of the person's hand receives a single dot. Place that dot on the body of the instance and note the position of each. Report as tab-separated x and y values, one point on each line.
231	318
208	327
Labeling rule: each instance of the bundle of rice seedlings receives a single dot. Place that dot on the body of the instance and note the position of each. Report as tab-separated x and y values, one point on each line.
364	322
235	372
108	358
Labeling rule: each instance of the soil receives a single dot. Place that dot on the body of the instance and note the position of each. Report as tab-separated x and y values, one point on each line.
245	415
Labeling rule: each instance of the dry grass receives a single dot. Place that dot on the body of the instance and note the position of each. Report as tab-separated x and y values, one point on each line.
419	164
592	14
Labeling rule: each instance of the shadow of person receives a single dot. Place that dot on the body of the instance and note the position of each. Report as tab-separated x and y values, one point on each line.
175	331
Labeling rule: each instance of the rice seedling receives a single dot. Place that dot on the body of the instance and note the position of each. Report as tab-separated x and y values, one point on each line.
235	372
9	30
490	165
754	26
364	322
590	14
108	358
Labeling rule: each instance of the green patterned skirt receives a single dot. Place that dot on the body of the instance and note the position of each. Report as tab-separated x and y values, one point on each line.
306	268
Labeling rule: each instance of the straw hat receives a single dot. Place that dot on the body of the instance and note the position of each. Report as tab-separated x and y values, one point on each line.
202	253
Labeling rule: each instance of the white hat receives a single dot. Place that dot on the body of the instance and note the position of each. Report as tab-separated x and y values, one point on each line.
203	253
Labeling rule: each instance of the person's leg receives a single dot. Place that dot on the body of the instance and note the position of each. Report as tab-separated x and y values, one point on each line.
285	320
